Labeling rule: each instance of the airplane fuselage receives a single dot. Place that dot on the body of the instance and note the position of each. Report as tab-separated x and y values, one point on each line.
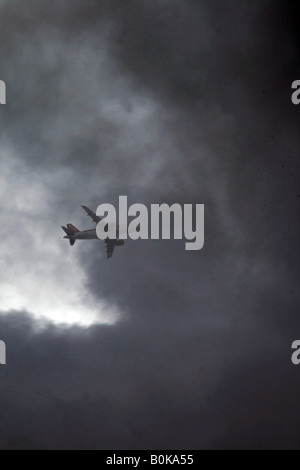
85	235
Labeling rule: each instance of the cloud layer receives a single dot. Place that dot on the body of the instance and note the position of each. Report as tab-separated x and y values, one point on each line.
162	101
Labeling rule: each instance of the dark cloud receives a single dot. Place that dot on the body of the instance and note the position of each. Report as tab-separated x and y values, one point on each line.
166	102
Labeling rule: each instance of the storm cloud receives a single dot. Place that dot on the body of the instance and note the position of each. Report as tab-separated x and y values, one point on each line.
162	101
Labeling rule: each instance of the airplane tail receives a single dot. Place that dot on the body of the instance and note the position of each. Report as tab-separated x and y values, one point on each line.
72	228
69	233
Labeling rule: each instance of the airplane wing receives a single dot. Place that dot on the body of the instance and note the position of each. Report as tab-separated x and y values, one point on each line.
110	246
92	214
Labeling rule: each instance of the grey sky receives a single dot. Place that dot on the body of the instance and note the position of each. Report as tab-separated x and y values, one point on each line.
162	101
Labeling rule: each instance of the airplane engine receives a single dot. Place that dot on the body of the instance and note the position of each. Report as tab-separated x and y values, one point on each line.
120	242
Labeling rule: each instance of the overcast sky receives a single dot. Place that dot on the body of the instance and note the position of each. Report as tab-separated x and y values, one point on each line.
176	101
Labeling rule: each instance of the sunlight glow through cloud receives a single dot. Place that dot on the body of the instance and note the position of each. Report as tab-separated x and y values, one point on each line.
39	273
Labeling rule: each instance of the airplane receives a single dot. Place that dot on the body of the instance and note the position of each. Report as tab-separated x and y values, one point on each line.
73	234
